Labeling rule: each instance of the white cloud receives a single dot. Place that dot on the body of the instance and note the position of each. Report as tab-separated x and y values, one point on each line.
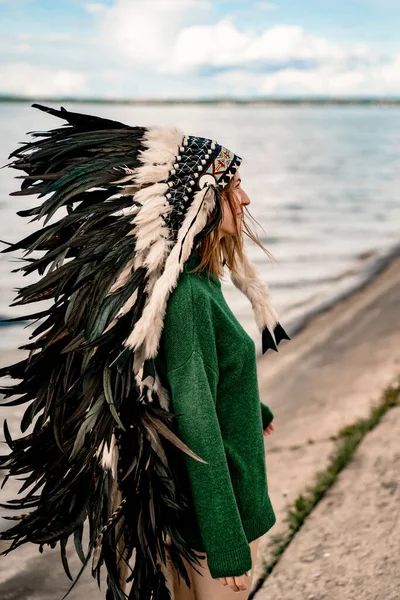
266	5
31	80
224	45
390	74
327	80
176	48
286	43
45	37
170	38
375	80
28	42
143	32
56	37
201	46
323	80
21	48
94	7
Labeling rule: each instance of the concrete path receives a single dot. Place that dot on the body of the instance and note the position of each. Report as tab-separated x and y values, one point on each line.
349	547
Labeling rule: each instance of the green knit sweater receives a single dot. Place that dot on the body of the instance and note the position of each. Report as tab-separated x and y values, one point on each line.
208	363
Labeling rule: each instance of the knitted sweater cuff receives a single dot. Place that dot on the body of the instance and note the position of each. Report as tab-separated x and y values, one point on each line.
233	562
266	414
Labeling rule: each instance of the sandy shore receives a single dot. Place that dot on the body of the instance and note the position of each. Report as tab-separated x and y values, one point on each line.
327	376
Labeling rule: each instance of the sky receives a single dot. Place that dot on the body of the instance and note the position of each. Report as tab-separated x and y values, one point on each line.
193	49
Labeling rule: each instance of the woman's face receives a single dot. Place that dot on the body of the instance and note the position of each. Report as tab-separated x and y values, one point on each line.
227	226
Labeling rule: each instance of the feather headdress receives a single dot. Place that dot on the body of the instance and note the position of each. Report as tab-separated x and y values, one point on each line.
101	444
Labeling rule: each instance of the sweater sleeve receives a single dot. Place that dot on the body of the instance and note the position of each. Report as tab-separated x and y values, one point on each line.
266	414
193	388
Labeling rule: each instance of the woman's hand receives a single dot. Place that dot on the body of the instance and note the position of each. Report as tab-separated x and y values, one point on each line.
237	583
268	430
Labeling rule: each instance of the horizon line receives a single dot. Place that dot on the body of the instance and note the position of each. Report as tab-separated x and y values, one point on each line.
211	100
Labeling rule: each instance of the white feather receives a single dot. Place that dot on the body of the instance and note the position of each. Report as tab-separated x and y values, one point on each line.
158	155
150	234
109	456
147	330
122	278
154	208
151	174
170	138
248	282
157	254
146	193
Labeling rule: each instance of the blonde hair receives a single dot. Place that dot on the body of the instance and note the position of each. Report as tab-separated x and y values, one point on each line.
215	253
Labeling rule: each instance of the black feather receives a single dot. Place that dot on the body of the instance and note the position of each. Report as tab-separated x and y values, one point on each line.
77	383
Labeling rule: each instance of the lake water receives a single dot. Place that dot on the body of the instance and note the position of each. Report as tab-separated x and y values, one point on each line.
323	181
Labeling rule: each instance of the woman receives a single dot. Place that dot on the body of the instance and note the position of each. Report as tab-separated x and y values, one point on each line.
208	363
114	347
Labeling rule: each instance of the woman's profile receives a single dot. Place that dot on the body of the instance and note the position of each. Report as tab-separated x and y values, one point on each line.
143	417
208	361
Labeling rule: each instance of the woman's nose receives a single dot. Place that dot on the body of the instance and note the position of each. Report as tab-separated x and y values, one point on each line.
244	199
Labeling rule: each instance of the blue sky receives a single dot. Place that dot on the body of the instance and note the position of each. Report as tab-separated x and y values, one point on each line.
199	48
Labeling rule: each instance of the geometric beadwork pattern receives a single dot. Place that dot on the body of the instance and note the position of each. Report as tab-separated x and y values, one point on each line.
200	162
